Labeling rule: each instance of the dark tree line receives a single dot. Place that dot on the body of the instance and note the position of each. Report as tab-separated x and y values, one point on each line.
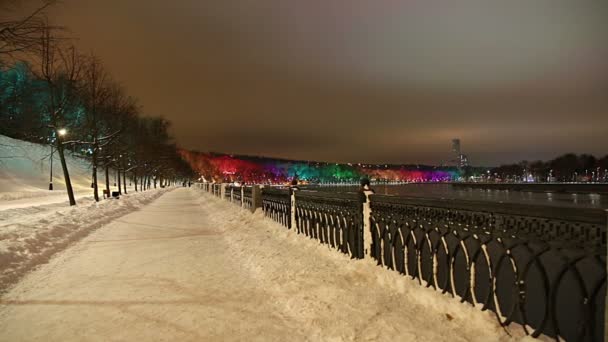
566	168
53	94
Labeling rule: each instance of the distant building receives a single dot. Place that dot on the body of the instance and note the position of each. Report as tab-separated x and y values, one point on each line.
460	159
456	147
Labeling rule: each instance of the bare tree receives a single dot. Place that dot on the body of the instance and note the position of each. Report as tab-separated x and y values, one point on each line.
119	115
60	69
96	93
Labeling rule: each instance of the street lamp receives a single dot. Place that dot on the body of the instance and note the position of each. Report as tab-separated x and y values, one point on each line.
61	132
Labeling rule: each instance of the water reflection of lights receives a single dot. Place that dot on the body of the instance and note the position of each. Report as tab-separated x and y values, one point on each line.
595	198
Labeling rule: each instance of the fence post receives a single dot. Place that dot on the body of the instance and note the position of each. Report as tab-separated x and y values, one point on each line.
242	196
222	190
256	198
367	229
292	207
231	194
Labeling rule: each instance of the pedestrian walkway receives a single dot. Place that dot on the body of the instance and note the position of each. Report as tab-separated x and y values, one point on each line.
189	267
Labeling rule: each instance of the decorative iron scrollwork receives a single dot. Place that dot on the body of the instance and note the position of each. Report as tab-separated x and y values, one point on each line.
332	218
276	204
543	268
247	197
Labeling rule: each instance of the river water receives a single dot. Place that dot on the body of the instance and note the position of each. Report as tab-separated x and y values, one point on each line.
525	197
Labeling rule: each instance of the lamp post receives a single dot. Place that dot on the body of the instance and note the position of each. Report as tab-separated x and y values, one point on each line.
61	132
51	176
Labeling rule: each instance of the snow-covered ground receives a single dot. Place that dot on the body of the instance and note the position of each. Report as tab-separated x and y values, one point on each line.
30	235
35	223
25	171
192	267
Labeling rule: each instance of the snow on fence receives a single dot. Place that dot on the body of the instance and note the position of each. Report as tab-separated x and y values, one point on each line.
540	268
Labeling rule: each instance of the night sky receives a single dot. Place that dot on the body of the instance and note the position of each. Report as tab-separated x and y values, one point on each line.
360	80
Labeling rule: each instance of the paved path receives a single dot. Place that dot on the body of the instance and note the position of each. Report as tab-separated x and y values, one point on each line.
174	271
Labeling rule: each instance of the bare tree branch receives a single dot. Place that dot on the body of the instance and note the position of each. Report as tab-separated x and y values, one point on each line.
22	34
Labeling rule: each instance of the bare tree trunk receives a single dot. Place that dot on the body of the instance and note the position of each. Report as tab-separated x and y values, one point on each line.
135	180
119	183
95	188
124	181
66	174
108	180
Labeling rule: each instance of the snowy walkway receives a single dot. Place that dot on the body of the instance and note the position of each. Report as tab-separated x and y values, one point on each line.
191	267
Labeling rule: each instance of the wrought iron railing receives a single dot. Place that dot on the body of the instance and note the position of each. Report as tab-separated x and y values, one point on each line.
228	192
276	204
332	218
541	267
236	195
247	197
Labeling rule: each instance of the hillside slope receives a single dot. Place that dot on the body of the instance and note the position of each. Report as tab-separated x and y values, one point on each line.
25	166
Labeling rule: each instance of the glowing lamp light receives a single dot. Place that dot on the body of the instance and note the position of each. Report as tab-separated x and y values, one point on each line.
62	131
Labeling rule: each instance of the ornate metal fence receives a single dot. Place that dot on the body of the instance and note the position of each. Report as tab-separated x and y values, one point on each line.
247	197
332	218
228	191
541	267
236	195
276	204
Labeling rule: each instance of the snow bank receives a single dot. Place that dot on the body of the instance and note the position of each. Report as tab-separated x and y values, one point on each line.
25	169
29	236
318	286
